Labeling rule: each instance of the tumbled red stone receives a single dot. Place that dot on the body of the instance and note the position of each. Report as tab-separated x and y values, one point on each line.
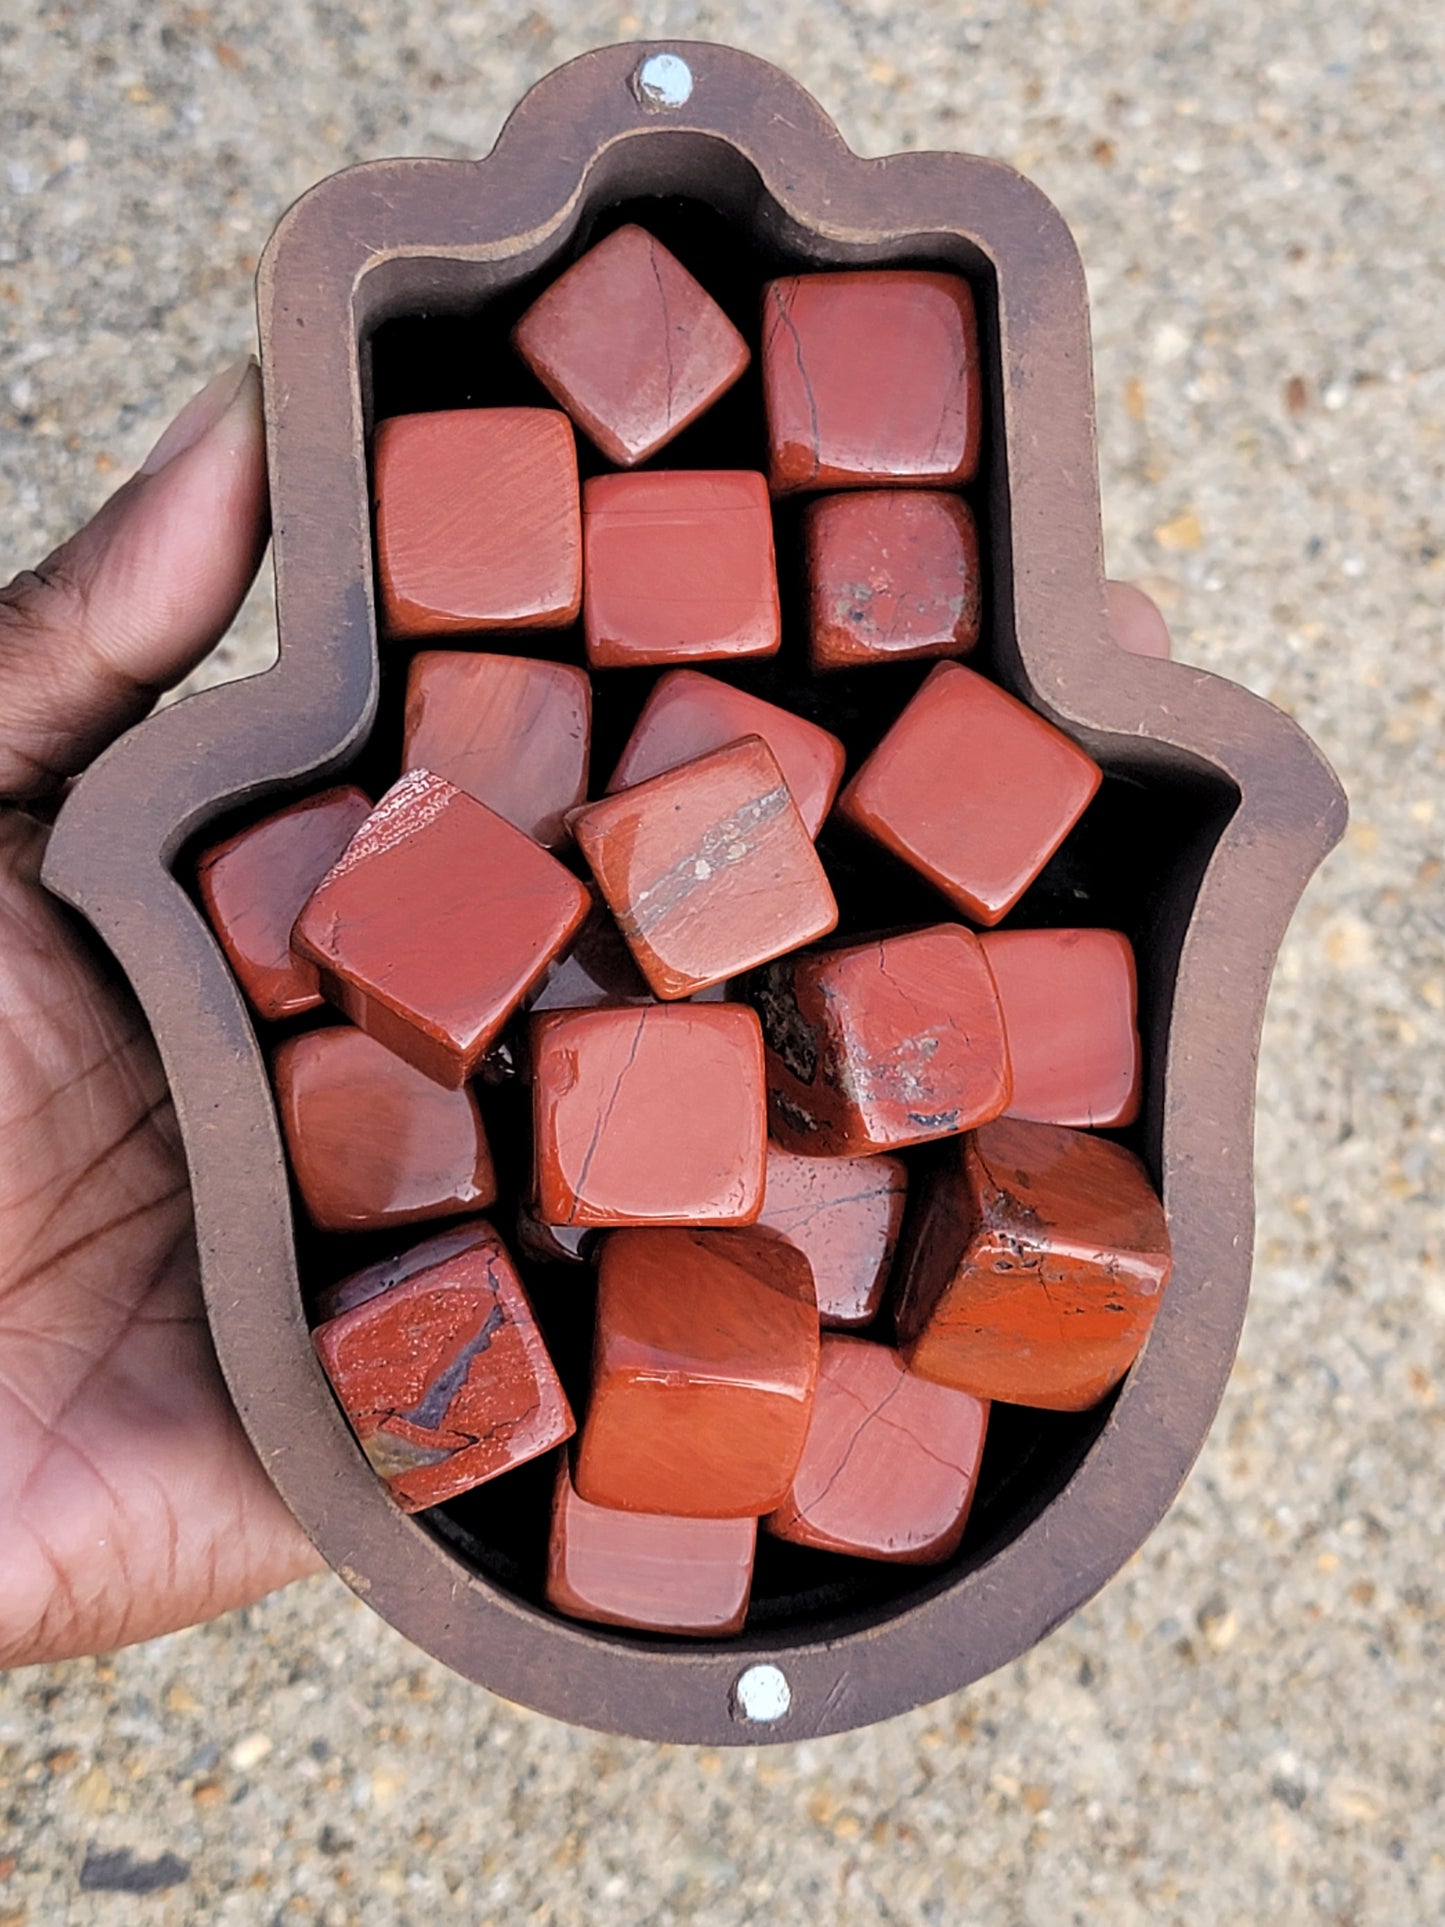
708	868
890	1464
704	1364
253	886
654	1571
1034	1268
973	789
371	1141
844	1215
679	567
631	345
1071	1011
434	924
511	731
436	1359
689	713
878	1045
648	1116
893	574
871	376
478	521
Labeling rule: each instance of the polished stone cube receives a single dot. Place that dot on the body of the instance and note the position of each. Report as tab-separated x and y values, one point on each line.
1034	1267
478	521
254	884
512	731
437	1361
844	1215
878	1045
704	1367
893	574
371	1141
869	376
689	713
648	1116
973	789
708	868
631	345
890	1464
679	568
653	1571
1071	1010
430	968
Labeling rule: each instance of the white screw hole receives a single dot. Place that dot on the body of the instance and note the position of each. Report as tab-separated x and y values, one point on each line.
663	80
761	1695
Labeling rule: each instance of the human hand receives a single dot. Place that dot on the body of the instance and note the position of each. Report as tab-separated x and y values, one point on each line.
130	1501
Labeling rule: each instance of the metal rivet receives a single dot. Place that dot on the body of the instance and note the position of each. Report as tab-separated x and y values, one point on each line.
663	80
761	1695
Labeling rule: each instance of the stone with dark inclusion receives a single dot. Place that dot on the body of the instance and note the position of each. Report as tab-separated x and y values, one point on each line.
1034	1267
708	868
436	1359
878	1045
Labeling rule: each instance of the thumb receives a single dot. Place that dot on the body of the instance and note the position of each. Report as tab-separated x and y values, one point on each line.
133	601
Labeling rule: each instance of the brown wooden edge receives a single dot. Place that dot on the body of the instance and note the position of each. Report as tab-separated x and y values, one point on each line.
347	254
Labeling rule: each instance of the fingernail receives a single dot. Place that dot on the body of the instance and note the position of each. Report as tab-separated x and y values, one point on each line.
200	414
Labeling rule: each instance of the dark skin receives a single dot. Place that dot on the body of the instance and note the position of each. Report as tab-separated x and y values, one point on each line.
131	1503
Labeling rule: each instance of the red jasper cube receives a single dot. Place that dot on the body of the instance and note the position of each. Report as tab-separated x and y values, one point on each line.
648	1116
509	730
877	1045
709	869
890	1465
871	376
973	789
647	1569
435	923
703	1370
631	345
1035	1267
689	713
371	1141
1071	1010
679	567
892	574
253	886
436	1359
844	1215
478	521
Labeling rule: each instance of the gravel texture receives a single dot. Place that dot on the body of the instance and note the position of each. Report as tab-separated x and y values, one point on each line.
1246	1726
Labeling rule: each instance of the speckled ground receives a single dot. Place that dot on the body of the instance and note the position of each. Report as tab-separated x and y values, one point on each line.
1247	1725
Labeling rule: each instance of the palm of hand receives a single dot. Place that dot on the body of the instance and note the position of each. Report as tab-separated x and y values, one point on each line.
131	1502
